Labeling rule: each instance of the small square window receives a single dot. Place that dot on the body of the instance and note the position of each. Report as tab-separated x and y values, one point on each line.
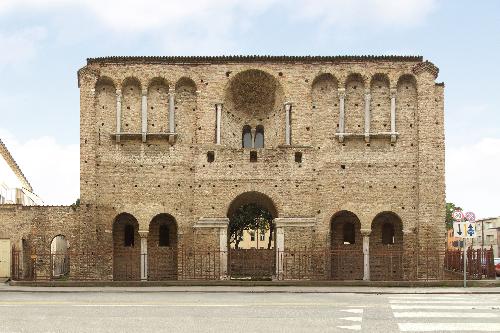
253	156
210	156
298	157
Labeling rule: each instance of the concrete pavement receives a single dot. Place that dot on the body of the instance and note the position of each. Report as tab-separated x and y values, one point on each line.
156	311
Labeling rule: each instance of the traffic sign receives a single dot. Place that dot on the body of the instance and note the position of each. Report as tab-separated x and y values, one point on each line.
458	215
470	216
464	229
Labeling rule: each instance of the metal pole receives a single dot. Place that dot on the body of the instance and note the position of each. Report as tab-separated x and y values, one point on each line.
465	264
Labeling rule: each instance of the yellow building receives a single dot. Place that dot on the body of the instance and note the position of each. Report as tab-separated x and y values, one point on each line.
254	239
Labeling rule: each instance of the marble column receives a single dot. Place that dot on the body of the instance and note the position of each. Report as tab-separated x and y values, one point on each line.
144	254
218	116
393	115
341	92
288	129
118	114
144	114
367	115
366	254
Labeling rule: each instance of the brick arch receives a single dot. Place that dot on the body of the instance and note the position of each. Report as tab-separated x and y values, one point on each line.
187	84
254	96
162	252
105	103
59	256
131	105
252	197
380	105
355	103
346	258
126	259
106	80
157	110
386	259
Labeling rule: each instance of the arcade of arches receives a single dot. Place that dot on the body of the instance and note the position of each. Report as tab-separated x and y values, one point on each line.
354	253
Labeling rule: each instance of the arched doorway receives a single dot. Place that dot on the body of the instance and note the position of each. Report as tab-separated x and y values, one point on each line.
346	245
59	256
126	248
386	247
251	236
162	248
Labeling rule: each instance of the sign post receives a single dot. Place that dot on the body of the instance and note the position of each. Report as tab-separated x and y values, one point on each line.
464	227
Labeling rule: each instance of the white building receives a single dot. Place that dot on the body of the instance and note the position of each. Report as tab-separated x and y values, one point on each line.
14	187
487	234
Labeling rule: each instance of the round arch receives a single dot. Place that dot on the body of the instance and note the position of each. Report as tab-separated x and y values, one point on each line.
126	248
59	256
252	197
346	246
162	248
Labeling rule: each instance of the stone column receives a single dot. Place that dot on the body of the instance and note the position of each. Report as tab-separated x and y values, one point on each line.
288	129
220	223
118	114
393	115
367	115
280	247
366	254
171	111
218	116
341	92
144	113
144	254
253	131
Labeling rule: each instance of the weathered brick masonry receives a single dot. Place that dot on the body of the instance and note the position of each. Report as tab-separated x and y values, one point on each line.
163	135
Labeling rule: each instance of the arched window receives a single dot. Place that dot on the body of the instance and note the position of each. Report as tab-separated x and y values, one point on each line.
349	233
128	235
388	233
246	137
259	137
164	236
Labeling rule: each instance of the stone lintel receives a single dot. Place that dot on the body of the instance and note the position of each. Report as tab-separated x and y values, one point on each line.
301	222
212	222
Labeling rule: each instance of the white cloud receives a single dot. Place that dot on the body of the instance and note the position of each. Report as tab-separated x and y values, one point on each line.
374	13
20	46
53	169
472	177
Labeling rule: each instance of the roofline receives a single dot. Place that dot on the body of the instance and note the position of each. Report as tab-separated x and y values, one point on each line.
248	58
14	166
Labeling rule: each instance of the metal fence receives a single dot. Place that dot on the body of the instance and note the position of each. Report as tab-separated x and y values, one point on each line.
306	264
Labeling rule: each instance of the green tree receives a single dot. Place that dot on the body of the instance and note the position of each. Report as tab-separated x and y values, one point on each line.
450	208
249	217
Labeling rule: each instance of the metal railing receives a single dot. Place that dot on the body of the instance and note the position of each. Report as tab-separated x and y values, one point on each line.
305	264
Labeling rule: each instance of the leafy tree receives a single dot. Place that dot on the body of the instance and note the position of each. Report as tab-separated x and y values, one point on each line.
249	217
450	208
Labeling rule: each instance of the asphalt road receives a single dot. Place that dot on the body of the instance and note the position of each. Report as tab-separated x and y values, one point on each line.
246	312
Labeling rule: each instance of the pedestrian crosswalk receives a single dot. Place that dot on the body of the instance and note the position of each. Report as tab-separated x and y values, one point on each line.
447	313
355	315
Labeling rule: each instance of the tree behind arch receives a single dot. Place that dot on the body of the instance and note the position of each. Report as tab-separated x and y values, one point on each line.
250	217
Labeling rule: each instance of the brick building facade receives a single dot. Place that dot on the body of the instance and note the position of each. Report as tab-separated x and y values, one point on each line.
347	153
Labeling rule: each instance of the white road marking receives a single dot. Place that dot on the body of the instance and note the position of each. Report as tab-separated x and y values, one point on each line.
353	310
434	314
352	318
409	297
445	307
435	302
433	327
352	327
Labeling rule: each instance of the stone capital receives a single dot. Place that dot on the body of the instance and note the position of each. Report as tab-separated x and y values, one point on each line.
143	233
366	232
212	222
341	92
290	222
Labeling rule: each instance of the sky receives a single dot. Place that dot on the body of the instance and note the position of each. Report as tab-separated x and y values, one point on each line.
44	42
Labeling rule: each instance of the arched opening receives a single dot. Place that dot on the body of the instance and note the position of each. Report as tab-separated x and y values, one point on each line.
126	248
386	247
251	236
346	247
253	97
59	256
162	248
246	137
259	137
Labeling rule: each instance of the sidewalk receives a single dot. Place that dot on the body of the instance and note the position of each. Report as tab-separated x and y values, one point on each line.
256	289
